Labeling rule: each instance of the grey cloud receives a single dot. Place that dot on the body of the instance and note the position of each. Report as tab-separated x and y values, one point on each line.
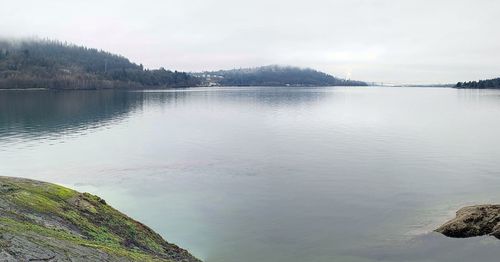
374	40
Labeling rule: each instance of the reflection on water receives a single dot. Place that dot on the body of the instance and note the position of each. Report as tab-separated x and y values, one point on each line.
271	174
39	114
48	113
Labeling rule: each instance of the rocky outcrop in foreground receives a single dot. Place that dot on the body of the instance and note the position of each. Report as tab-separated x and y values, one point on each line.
473	221
46	222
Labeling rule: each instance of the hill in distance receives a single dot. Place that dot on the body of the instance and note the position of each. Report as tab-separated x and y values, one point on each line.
57	65
51	64
273	75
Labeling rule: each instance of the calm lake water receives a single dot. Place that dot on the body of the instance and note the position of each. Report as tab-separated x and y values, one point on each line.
272	174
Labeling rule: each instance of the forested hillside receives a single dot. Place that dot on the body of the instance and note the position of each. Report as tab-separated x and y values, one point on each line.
482	84
57	65
274	76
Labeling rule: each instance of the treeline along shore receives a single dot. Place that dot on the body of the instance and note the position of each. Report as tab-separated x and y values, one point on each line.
57	65
29	64
481	84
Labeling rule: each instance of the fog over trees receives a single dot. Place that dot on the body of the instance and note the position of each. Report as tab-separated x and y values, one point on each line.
58	65
274	75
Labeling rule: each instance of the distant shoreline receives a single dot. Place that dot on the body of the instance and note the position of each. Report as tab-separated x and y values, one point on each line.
162	88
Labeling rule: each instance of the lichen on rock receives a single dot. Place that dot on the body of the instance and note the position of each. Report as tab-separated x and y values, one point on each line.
46	222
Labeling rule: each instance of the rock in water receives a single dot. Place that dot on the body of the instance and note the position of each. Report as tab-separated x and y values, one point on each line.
45	222
473	221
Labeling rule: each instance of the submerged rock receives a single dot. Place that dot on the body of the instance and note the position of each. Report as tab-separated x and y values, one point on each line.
473	221
45	222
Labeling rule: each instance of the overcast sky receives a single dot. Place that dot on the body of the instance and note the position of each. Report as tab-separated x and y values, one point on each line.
401	41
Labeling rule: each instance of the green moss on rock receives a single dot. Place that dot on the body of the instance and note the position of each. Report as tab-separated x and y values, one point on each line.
45	221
